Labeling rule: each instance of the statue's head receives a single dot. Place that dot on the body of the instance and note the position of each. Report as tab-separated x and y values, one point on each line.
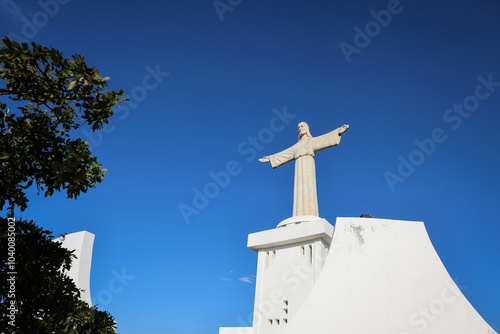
304	131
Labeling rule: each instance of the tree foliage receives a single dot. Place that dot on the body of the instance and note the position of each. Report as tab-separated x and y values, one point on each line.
57	95
46	299
54	97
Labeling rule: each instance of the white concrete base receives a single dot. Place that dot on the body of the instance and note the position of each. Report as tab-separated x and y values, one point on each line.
290	259
81	243
380	276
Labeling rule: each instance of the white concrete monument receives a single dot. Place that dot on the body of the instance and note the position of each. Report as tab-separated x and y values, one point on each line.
81	243
364	275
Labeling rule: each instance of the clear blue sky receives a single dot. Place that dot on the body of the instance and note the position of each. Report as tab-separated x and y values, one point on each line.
225	78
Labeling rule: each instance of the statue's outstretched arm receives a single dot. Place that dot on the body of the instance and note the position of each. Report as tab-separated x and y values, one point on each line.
329	139
280	158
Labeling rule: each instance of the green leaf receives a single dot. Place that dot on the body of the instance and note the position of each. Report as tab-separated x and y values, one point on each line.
105	78
7	41
72	85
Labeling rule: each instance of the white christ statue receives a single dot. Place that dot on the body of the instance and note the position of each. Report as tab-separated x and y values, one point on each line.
305	198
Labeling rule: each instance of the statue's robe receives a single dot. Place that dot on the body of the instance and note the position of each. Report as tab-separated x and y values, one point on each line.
305	198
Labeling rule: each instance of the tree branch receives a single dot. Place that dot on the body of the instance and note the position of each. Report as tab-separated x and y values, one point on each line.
26	95
5	91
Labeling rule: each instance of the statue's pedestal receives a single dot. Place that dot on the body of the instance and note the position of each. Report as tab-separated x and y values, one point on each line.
367	275
290	258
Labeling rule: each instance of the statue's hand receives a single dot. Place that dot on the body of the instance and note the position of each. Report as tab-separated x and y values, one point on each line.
264	159
343	128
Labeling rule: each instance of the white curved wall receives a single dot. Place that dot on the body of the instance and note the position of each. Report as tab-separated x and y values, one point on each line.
81	243
384	276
